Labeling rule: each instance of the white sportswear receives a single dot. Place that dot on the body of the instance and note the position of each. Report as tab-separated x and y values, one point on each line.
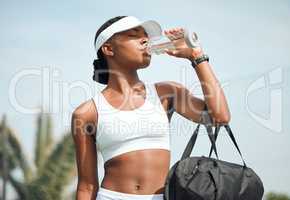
121	131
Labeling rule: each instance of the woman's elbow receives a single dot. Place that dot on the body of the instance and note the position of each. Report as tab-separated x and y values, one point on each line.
222	119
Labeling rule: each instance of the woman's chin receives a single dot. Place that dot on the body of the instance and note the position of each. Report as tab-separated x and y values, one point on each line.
145	63
147	59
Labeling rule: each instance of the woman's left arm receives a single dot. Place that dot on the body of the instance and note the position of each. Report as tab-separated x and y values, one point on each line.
212	90
214	96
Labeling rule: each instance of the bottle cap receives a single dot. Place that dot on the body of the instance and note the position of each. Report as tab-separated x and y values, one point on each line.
191	39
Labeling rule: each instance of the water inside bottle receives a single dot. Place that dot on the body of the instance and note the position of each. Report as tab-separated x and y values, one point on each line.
159	46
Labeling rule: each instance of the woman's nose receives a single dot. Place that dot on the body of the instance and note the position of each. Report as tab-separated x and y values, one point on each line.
144	40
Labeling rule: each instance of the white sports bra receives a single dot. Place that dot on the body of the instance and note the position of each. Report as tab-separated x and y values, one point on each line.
121	131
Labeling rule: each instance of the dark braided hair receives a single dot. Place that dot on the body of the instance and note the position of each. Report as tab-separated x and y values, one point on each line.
101	70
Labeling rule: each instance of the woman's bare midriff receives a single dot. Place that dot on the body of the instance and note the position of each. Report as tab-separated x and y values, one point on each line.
137	172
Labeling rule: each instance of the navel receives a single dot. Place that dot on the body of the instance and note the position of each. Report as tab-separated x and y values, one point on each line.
137	187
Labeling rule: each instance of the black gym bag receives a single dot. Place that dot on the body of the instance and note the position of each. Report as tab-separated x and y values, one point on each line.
206	178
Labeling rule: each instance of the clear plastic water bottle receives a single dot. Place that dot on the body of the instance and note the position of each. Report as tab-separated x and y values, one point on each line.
158	46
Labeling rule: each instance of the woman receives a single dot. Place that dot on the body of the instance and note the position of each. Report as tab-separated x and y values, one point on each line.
136	159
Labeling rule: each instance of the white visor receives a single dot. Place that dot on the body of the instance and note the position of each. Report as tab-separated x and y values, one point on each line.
152	28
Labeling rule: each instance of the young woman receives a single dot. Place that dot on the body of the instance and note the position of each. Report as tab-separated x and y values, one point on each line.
128	122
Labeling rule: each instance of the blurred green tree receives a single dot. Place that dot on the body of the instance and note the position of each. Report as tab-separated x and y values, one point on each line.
276	196
53	168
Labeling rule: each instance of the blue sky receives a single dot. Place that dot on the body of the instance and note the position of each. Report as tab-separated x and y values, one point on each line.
248	43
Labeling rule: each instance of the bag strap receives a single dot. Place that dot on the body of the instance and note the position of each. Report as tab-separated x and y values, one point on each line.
230	133
216	131
190	145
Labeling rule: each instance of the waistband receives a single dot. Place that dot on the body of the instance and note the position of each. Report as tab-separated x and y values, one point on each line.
115	194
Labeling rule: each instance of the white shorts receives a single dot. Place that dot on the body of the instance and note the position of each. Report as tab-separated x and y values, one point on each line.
105	194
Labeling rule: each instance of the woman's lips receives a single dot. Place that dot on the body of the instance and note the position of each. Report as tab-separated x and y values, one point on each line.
145	53
144	50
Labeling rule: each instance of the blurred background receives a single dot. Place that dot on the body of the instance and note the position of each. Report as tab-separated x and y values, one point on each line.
46	55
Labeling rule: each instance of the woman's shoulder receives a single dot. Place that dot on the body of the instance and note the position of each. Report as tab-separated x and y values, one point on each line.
87	110
167	87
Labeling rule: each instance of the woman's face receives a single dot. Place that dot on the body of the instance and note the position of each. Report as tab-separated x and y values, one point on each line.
129	47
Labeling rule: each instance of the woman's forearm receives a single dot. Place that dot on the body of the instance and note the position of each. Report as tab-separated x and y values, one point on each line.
213	93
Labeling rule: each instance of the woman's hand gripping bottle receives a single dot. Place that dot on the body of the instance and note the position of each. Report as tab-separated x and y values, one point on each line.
159	46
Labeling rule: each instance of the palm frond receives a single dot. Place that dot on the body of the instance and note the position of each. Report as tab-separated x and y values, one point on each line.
19	187
40	142
13	150
56	167
48	135
7	160
58	170
16	147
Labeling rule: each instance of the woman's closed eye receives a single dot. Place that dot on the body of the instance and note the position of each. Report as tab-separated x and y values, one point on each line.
132	35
